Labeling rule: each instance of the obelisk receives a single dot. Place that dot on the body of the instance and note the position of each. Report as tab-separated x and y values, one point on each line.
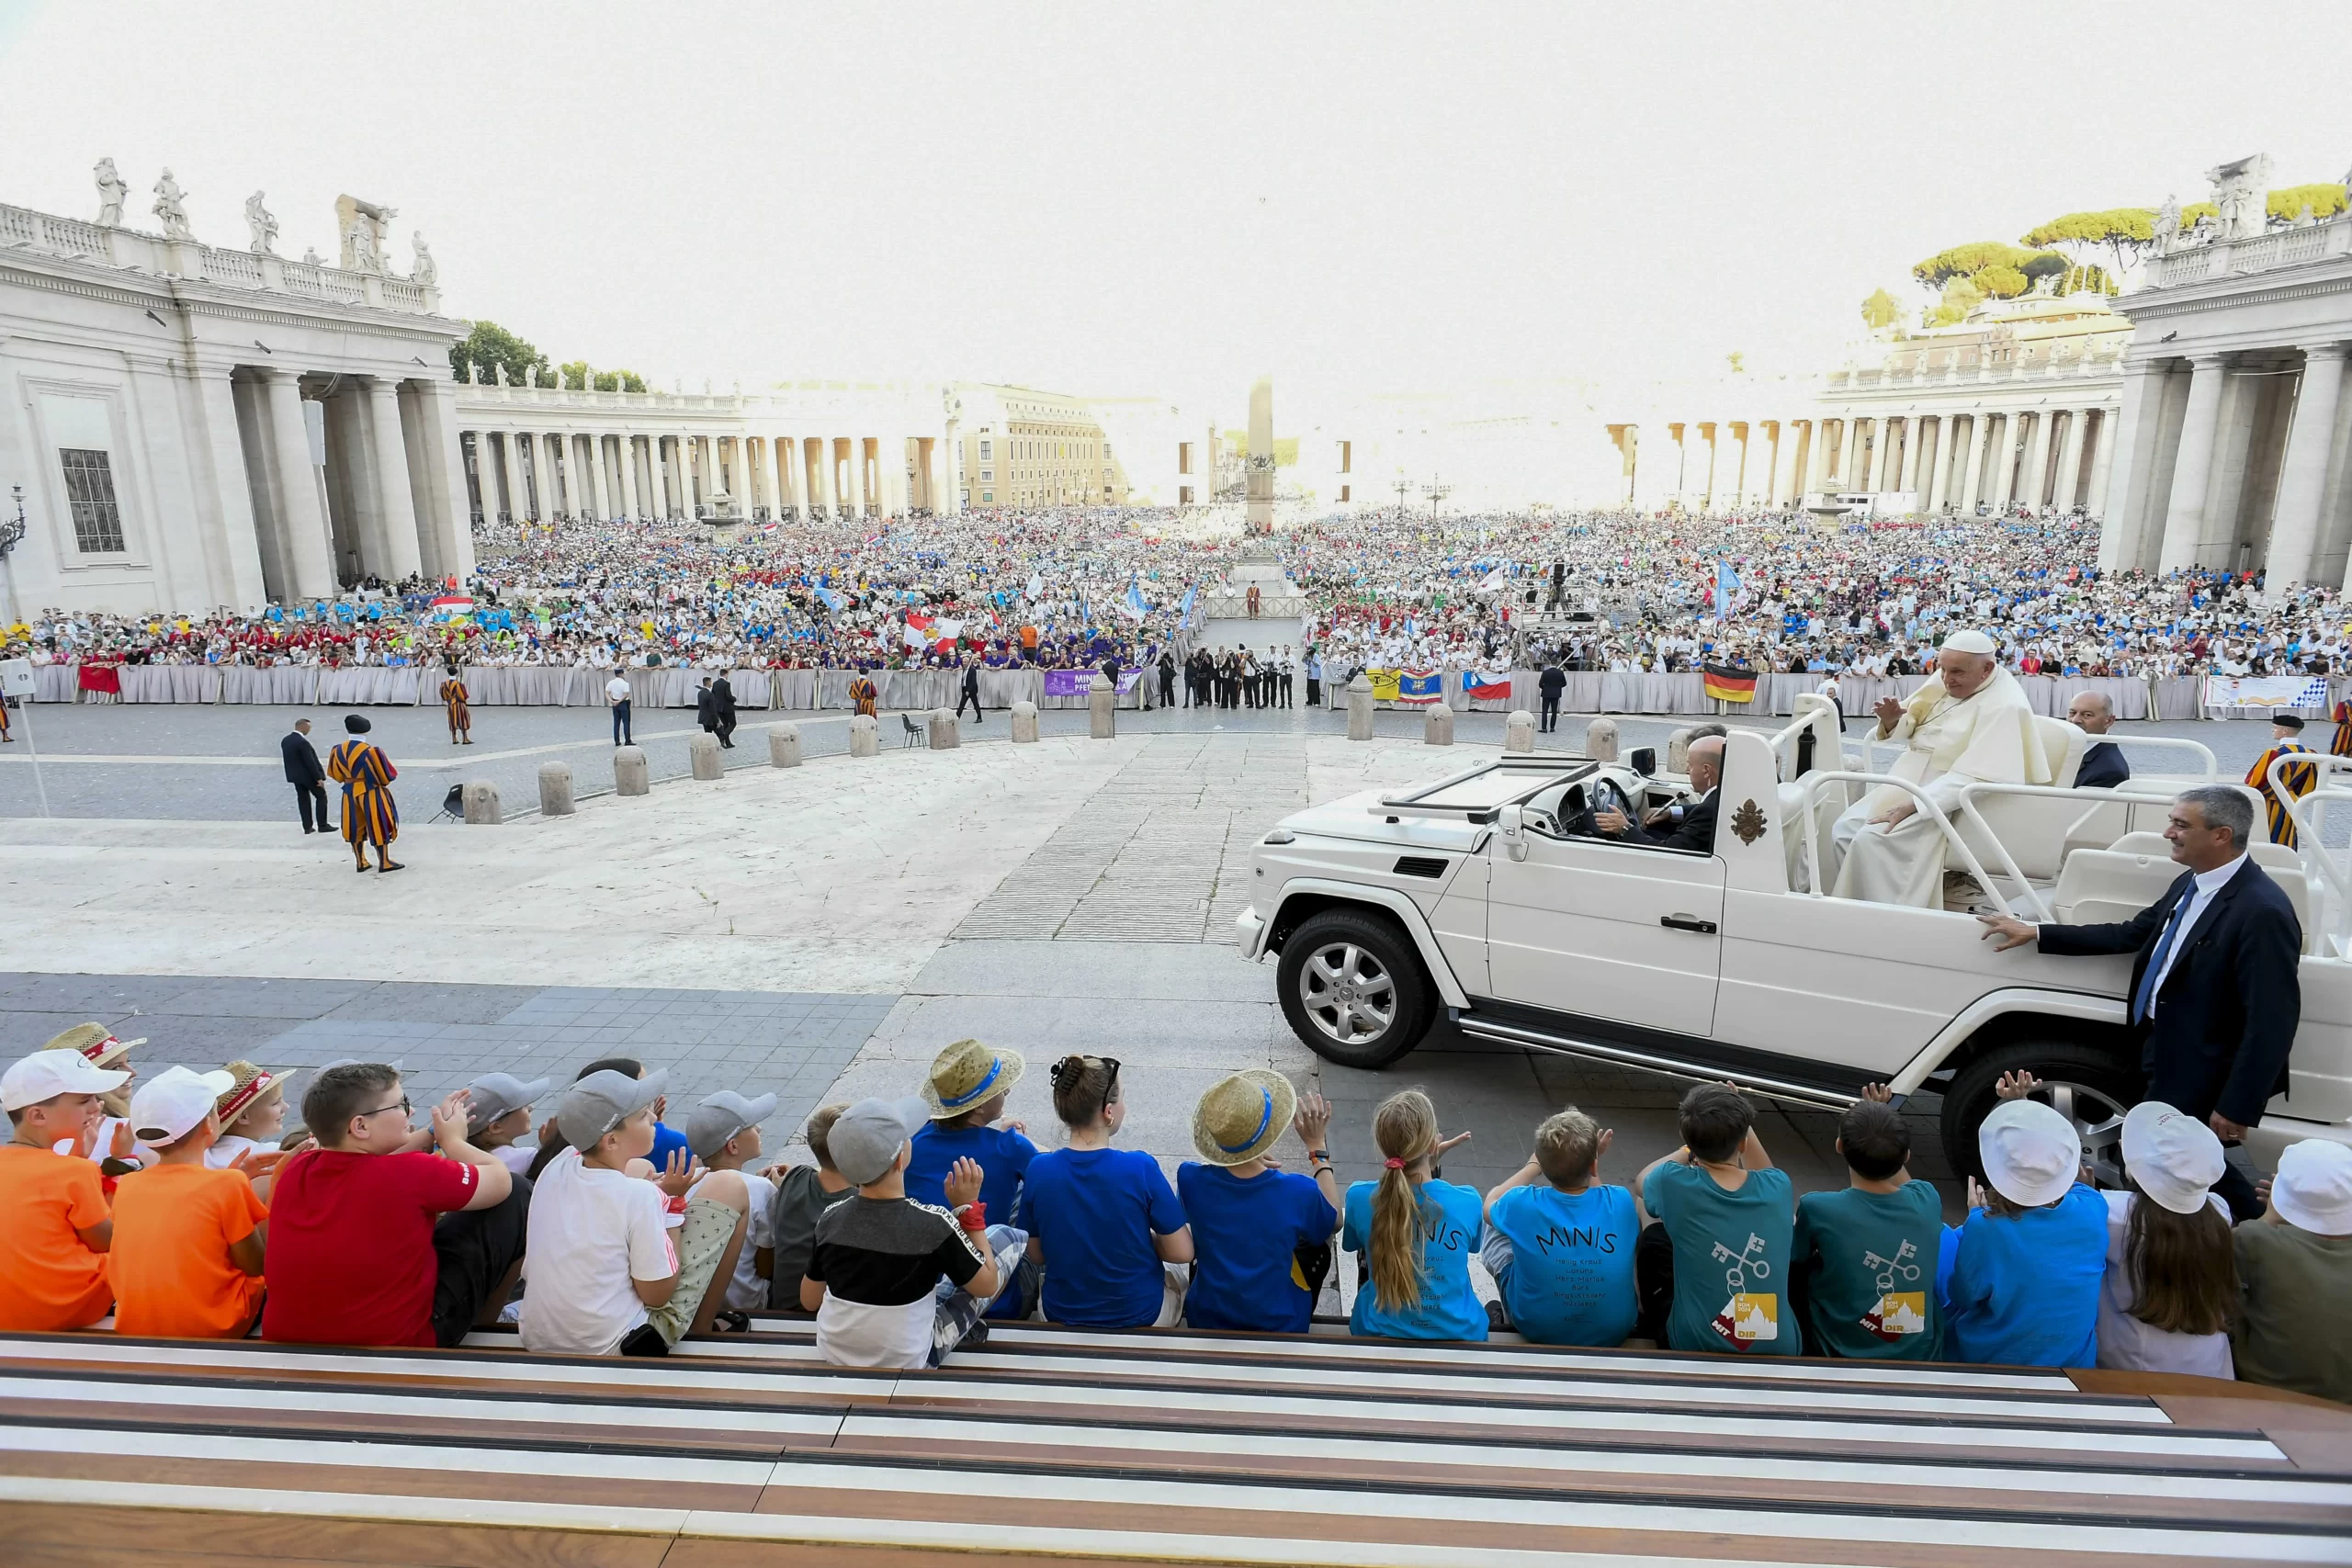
1260	517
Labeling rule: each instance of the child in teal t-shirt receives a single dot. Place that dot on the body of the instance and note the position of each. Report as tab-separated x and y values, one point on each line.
1413	1233
1560	1244
1866	1255
1729	1214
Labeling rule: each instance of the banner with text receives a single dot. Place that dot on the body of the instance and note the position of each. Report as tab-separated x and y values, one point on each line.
2265	691
1077	682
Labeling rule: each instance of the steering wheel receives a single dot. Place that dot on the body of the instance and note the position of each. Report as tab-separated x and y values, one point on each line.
1607	796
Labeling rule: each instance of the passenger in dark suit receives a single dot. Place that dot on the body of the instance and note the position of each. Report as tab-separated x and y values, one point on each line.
2103	766
308	776
1697	829
2216	988
722	711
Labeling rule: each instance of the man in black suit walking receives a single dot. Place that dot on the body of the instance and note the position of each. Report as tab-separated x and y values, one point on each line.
969	691
722	711
2216	989
307	777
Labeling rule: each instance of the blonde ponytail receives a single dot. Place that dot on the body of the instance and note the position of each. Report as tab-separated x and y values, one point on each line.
1405	1127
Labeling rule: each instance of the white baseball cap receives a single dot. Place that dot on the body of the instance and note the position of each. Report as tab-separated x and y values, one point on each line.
2312	1190
45	1075
175	1102
2173	1157
2031	1153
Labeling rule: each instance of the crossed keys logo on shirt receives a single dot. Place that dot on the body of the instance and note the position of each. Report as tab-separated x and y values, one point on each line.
1897	1313
1749	1317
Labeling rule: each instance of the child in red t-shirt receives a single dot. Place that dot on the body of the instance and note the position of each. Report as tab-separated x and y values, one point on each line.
53	1246
187	1238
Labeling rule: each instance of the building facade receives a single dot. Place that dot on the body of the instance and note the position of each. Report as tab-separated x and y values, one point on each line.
1024	447
196	427
2234	431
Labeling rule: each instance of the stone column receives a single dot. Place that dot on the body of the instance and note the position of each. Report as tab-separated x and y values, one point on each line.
308	551
2037	459
1973	477
2070	461
1939	482
2303	478
857	497
2192	469
2094	489
445	513
514	441
2005	463
827	473
1818	480
244	587
2119	479
596	489
560	490
629	477
403	557
1913	449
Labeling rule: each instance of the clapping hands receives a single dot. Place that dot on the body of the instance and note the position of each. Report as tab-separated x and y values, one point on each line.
962	1183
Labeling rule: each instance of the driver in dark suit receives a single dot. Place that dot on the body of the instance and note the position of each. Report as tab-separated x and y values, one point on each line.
1697	829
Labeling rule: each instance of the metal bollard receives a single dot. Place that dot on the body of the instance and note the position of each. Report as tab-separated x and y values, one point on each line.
555	789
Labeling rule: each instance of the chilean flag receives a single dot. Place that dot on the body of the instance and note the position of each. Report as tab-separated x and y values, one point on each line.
1481	686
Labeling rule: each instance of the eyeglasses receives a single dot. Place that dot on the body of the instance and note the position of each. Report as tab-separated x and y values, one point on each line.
403	1108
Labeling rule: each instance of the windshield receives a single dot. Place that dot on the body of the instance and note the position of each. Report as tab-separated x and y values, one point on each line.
1493	786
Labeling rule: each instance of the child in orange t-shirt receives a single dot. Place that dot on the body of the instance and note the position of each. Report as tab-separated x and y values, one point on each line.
187	1239
53	1246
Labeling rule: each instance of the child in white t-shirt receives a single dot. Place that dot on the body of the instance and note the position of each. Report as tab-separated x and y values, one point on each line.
498	1111
724	1133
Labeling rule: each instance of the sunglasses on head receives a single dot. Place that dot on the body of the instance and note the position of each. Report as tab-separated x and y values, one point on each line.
1064	1074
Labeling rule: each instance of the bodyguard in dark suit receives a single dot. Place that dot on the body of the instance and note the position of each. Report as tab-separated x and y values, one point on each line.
722	711
308	776
2216	991
2103	766
969	691
1551	683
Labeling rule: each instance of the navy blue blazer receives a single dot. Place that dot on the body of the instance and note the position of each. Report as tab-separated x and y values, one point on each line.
2103	766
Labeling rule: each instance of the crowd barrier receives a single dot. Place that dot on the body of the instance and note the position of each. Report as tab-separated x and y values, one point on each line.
673	686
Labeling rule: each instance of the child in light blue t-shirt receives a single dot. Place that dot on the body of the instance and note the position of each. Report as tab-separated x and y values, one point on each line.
1413	1233
1560	1244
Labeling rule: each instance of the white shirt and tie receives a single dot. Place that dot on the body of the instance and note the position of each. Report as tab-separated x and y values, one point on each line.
2185	915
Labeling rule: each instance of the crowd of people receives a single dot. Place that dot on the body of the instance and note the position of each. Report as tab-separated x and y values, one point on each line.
1073	588
184	1207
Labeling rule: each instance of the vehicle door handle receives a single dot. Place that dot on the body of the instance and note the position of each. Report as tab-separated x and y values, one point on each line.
1687	923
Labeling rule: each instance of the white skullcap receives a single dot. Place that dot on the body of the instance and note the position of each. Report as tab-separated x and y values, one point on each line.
2031	1153
1969	642
2174	1157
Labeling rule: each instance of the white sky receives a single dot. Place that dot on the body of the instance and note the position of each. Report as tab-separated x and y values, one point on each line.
1167	199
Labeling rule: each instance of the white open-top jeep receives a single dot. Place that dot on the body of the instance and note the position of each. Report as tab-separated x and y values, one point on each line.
1477	895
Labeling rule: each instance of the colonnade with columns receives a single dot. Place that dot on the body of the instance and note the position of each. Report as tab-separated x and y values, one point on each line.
516	472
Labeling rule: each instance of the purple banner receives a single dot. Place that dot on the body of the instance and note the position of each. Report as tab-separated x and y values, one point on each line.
1077	682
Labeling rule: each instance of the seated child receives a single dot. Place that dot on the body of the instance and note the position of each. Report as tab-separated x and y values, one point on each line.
1413	1233
109	1141
53	1247
604	1275
2172	1279
498	1111
252	1115
967	1090
724	1133
2022	1282
1102	1222
874	1273
803	1193
186	1259
1264	1235
1729	1216
1866	1256
2295	1273
1560	1242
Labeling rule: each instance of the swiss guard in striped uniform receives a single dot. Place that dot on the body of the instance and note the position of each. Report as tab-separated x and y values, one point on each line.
864	693
458	701
2287	730
369	813
2342	745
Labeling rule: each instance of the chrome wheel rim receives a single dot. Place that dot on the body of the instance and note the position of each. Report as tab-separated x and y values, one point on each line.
1349	993
2098	1121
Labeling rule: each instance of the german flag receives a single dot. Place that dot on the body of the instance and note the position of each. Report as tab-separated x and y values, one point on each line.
1726	685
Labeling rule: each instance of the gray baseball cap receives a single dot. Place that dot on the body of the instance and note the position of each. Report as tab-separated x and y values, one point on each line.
602	1101
865	1143
494	1095
720	1117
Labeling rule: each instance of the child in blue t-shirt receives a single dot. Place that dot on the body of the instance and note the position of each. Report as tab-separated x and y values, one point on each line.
1560	1244
2020	1277
966	1091
1728	1214
1264	1235
1413	1233
1104	1225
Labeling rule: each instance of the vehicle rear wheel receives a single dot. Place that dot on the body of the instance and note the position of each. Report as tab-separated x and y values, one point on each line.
2090	1087
1353	989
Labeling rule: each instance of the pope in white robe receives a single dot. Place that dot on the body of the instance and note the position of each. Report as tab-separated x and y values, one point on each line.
1970	723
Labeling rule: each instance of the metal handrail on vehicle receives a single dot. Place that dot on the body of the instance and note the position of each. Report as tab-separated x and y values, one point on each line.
1784	739
2100	798
1952	841
2308	813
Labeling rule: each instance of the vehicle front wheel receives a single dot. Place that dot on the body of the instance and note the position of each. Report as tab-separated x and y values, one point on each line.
1353	989
2089	1086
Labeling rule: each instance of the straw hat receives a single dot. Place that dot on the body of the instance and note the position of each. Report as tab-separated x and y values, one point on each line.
1243	1116
250	1087
96	1044
967	1075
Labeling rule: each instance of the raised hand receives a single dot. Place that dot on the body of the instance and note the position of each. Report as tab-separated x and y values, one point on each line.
449	1119
1977	1194
1890	714
2017	1085
1877	1093
122	1144
683	1172
1313	1123
1446	1144
962	1183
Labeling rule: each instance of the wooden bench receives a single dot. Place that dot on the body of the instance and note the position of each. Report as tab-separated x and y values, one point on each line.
1178	1447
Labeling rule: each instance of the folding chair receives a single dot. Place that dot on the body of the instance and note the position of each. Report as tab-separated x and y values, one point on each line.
453	804
914	733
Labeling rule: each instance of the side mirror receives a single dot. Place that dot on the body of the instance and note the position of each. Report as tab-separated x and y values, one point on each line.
1643	760
1511	824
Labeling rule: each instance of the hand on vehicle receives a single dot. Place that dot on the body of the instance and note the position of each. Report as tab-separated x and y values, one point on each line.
1313	1123
2012	933
2017	1085
683	1171
962	1183
1877	1093
2229	1131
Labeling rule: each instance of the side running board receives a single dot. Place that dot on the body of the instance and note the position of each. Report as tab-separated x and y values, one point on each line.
1570	1045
